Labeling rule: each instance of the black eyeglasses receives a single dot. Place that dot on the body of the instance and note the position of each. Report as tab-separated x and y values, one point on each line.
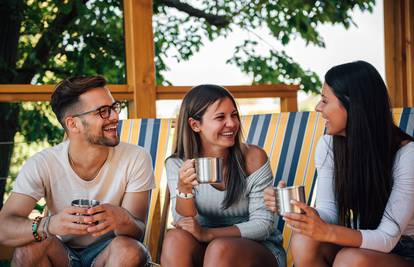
104	111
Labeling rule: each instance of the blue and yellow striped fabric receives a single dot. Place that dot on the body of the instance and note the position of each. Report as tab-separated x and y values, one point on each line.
289	140
155	135
404	118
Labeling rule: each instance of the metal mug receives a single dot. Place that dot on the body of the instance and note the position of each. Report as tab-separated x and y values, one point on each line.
209	170
85	203
283	196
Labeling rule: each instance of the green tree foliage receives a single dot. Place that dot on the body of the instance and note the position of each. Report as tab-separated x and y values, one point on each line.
43	41
181	29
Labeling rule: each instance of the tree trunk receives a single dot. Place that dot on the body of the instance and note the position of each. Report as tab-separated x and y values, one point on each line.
8	128
10	19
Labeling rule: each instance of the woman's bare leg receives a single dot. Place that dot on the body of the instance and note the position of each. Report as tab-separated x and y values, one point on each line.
239	252
308	252
180	248
367	258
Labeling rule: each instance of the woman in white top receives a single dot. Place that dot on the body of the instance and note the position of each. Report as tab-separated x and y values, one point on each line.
364	212
227	223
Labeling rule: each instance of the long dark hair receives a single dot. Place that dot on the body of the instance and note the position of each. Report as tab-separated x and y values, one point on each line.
364	158
187	143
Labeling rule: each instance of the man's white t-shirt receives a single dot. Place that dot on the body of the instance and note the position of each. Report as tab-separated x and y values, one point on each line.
48	174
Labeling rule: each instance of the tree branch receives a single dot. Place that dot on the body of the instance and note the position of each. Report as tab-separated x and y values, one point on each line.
216	20
46	43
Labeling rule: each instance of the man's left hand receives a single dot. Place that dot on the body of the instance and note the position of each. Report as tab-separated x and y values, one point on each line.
108	216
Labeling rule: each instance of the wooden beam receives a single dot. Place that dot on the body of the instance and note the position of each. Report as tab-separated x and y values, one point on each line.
239	91
139	49
30	92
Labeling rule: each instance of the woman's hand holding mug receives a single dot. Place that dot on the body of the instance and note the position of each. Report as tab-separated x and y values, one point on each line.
187	176
269	196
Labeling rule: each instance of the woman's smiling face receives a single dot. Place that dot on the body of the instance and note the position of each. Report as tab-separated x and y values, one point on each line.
219	125
332	111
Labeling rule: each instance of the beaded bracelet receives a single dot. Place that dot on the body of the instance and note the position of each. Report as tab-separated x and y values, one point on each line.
35	226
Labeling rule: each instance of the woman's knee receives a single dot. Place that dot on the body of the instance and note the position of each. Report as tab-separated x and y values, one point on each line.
303	246
179	246
220	250
351	257
305	250
219	247
175	238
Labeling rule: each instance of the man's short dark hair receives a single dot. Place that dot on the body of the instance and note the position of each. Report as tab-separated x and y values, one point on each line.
67	92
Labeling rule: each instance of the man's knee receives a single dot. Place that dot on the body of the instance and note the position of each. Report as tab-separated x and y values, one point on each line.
128	250
32	252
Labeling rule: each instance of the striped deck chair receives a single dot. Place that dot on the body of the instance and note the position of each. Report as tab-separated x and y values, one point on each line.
404	118
155	135
290	140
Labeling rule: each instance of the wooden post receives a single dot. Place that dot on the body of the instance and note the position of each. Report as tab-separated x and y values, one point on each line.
399	51
139	46
289	104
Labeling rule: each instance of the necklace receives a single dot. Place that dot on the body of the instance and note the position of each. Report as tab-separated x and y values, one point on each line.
73	165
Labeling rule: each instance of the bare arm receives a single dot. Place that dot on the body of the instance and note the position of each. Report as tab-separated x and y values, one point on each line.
187	176
181	176
16	228
191	225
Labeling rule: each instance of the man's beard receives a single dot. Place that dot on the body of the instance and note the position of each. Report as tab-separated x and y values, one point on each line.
99	140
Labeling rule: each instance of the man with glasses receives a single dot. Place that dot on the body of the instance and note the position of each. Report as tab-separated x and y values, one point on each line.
90	164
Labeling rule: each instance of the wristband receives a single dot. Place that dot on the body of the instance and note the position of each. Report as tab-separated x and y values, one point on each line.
184	195
46	226
35	226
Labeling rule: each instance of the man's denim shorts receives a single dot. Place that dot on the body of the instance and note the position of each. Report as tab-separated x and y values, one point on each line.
85	257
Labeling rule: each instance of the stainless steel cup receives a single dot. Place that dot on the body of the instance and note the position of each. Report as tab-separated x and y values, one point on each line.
209	170
283	196
85	203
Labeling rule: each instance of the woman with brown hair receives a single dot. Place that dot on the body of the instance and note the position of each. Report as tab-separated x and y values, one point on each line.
224	224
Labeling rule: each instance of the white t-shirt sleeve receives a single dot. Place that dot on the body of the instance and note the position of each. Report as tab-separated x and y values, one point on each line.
141	176
30	179
325	198
400	205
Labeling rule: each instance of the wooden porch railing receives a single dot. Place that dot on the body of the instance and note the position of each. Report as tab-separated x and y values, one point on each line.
286	93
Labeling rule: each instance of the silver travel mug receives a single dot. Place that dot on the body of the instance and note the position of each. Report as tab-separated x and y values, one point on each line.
209	170
85	203
283	196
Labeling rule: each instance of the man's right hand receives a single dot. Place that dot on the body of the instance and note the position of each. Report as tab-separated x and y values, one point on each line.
67	222
187	176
